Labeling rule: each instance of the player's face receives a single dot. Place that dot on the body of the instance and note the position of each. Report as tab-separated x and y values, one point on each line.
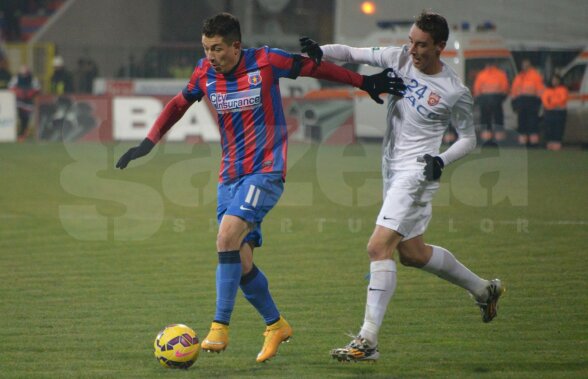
222	56
425	53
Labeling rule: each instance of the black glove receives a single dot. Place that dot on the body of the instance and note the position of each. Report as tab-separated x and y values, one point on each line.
312	49
384	82
135	152
433	167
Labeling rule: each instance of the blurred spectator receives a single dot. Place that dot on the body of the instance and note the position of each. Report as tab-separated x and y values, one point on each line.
84	75
61	81
181	69
152	69
92	73
26	88
5	75
37	7
526	101
12	11
130	70
555	100
79	75
490	91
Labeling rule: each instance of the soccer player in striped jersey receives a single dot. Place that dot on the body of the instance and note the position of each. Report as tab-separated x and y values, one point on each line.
411	166
243	86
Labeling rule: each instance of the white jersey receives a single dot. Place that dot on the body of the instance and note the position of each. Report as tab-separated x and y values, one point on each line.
417	122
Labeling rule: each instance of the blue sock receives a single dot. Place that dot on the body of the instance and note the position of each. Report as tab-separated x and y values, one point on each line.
228	274
256	289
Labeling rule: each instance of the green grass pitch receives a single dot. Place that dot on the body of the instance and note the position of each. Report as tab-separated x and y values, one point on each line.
95	261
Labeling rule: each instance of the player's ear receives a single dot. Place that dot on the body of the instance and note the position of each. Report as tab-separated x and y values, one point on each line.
440	46
237	47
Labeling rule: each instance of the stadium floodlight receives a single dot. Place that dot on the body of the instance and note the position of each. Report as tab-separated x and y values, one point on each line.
368	7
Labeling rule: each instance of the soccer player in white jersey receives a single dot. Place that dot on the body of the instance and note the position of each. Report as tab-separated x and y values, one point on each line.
412	166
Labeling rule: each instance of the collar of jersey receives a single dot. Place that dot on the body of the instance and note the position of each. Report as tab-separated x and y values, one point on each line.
230	73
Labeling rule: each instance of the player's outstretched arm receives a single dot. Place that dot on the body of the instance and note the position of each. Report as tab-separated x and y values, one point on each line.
340	53
384	82
172	113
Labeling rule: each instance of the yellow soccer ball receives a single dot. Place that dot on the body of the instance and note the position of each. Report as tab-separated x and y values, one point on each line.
176	346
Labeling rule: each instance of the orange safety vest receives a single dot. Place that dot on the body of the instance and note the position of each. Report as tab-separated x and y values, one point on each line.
491	80
555	98
528	83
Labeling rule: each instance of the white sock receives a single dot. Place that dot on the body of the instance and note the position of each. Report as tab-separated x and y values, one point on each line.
379	291
446	266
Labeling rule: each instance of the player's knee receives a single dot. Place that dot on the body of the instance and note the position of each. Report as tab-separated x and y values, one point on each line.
226	242
375	250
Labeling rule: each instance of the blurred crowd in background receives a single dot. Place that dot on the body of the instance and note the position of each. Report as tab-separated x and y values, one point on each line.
175	55
537	94
19	18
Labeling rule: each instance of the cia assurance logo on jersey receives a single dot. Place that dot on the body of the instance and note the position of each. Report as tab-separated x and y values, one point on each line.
254	78
433	99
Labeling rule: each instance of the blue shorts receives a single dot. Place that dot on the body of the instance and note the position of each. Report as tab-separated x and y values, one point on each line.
250	198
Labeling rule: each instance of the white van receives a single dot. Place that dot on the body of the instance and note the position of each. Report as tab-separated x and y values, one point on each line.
575	78
467	52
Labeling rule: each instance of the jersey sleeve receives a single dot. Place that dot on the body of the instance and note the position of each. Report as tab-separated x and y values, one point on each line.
294	65
462	119
283	63
172	113
192	91
374	56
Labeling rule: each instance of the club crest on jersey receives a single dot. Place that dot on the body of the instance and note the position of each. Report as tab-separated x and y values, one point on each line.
254	78
433	99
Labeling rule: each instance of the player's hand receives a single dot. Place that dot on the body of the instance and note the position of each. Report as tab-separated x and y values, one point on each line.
135	152
384	82
433	167
312	49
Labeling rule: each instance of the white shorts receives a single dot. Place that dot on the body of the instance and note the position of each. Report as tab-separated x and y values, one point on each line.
407	205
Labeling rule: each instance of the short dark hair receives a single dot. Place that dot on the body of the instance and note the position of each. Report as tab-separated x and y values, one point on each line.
434	24
223	24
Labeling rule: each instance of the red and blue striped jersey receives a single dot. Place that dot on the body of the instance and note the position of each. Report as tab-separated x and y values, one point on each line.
251	120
